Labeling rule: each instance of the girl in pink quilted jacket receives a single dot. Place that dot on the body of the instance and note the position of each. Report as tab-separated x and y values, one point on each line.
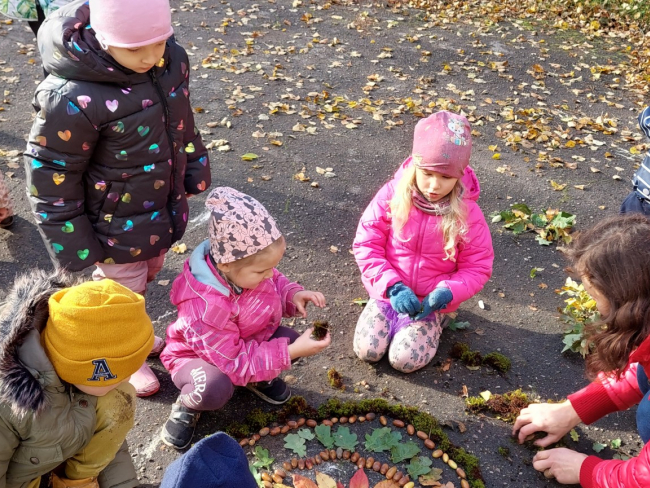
230	301
423	247
613	261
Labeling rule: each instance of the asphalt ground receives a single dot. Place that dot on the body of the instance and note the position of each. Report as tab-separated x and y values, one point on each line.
313	86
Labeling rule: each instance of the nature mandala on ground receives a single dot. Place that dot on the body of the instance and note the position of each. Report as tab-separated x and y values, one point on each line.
359	451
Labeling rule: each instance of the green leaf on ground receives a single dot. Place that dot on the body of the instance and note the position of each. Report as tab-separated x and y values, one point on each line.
455	325
360	301
574	435
306	434
296	444
615	444
345	439
250	157
419	466
324	435
431	477
597	447
257	475
263	460
383	439
404	451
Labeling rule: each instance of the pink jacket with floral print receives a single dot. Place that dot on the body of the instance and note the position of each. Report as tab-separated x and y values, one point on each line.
417	257
225	329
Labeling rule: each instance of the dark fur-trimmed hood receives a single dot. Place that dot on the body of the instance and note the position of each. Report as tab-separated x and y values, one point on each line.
25	310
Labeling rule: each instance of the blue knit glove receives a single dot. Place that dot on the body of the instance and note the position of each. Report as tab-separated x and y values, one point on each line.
402	299
436	300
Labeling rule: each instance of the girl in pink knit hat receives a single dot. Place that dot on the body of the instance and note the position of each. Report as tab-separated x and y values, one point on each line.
423	247
114	153
231	301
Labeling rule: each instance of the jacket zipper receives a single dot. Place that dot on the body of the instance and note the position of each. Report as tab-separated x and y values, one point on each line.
416	270
170	137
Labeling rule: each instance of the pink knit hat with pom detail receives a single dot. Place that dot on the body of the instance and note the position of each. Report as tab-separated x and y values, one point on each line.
239	225
443	143
130	23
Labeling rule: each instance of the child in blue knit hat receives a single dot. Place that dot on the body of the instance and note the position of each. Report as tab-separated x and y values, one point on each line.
214	462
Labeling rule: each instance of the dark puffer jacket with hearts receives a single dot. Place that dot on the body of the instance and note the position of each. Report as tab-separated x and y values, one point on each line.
112	153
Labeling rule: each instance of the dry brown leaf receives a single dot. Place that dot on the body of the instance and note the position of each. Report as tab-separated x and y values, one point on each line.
387	484
302	482
594	170
163	282
446	364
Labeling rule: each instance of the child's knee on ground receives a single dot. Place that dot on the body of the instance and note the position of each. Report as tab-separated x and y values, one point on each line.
372	333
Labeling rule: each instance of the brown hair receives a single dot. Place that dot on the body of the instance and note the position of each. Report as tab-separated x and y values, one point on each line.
614	256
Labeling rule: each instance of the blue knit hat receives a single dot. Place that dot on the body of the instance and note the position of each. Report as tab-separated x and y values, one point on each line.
214	462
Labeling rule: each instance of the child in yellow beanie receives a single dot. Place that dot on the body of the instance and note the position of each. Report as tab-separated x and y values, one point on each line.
66	354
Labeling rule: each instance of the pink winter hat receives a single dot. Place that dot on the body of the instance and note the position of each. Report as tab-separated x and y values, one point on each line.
130	23
239	225
443	143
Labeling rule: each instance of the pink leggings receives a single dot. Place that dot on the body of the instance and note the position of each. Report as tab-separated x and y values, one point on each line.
204	387
411	345
134	276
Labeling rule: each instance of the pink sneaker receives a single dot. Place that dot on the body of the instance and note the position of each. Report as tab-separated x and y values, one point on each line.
158	346
144	381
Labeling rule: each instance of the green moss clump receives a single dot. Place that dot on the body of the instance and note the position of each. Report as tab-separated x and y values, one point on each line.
258	419
458	349
504	451
238	430
497	361
476	404
506	406
335	379
472	358
297	406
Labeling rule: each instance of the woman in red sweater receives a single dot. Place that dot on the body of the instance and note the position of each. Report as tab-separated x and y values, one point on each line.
613	261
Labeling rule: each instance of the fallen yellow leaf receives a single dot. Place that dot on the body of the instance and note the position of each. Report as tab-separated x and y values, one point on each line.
179	248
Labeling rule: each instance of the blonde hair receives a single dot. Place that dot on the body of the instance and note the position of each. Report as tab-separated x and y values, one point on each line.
454	223
250	260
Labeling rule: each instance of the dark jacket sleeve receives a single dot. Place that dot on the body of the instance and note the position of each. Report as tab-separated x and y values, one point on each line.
60	145
197	173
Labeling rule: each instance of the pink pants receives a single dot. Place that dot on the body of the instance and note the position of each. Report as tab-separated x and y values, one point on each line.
6	208
411	345
134	276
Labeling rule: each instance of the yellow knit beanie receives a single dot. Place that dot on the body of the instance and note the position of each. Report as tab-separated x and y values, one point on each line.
98	333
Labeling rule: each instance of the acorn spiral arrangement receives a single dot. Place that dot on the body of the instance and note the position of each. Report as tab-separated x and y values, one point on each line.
399	479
